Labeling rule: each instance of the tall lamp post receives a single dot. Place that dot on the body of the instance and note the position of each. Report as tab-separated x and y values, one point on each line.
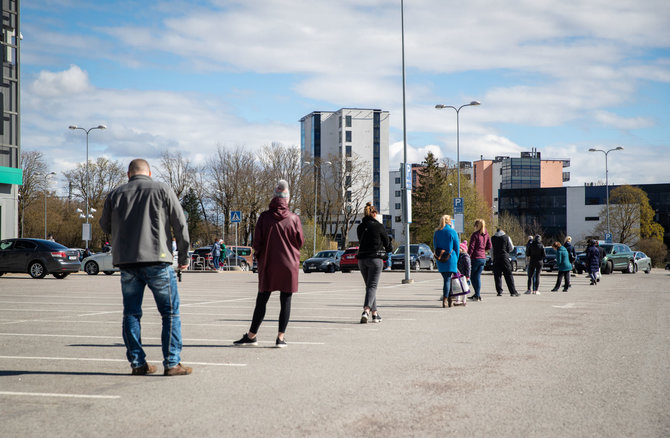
87	131
458	136
46	178
607	189
317	178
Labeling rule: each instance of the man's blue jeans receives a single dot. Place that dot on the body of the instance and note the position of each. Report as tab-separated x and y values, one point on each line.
162	281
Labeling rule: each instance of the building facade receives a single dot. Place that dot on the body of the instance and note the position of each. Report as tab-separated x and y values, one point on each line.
11	175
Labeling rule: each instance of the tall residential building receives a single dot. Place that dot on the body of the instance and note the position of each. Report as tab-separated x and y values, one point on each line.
11	175
348	133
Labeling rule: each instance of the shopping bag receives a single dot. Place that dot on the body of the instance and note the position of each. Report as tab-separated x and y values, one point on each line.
459	285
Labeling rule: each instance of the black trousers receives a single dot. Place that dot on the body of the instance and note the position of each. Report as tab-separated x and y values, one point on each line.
261	305
503	268
563	274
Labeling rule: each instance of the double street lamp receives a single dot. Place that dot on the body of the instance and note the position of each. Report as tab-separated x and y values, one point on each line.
317	178
458	146
87	131
607	189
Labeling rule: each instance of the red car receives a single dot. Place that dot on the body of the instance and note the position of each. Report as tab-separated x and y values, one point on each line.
349	260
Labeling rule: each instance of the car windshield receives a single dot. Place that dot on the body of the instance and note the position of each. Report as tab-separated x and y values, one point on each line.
326	254
550	250
413	249
607	248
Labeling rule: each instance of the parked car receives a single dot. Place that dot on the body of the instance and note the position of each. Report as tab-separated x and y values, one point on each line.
517	258
642	262
549	263
579	266
323	261
100	262
420	257
202	259
349	260
242	251
37	257
618	257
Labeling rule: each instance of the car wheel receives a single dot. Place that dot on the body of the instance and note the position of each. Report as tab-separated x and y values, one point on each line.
92	268
415	266
37	270
635	268
1	274
514	266
61	275
331	269
345	271
608	268
648	270
431	266
630	268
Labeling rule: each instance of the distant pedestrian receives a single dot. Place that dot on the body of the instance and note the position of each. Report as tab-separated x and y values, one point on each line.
563	265
142	216
601	251
592	261
480	242
536	254
277	241
216	255
445	240
572	253
501	247
374	246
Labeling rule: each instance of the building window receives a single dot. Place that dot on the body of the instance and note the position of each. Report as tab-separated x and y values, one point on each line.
592	218
398	205
347	196
347	121
397	180
348	151
347	181
347	135
398	193
347	166
398	219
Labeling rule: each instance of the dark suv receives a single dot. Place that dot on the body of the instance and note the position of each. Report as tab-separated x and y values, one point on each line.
618	257
38	258
420	256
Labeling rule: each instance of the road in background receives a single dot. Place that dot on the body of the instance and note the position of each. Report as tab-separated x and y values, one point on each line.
590	362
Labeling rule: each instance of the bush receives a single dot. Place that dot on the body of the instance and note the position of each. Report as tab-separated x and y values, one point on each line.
655	249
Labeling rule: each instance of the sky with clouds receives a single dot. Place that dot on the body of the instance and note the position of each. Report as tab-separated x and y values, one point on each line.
191	76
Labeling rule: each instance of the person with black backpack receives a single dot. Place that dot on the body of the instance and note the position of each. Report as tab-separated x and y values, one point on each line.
535	253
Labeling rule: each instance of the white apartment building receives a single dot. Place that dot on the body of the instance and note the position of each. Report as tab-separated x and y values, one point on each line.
346	134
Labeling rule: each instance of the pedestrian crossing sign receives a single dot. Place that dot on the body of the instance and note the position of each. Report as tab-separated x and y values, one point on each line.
235	216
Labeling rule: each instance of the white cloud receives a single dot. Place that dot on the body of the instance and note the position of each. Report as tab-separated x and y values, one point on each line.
71	81
619	122
414	154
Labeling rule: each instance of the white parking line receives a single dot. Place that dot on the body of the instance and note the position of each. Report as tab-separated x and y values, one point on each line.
89	359
51	394
118	338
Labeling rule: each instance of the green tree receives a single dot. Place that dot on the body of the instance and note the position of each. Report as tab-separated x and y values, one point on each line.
429	200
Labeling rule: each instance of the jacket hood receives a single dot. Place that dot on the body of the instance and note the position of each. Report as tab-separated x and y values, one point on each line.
499	233
279	208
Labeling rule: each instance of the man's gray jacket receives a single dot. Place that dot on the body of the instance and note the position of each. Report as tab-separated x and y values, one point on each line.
142	216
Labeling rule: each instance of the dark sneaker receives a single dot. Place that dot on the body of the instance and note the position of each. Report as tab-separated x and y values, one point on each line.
515	294
246	341
499	294
364	317
144	370
280	343
475	298
377	318
178	370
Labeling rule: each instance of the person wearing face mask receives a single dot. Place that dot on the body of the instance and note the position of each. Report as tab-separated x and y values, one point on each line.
374	246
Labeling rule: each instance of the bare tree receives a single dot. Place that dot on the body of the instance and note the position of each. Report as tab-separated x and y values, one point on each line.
176	171
278	161
34	182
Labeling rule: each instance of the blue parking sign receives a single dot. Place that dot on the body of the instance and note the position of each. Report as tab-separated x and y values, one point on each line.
459	206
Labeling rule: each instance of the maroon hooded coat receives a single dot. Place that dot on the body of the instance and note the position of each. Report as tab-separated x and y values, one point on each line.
277	241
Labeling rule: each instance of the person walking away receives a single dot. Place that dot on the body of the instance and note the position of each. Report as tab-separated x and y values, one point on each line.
374	246
216	255
563	265
601	251
143	253
502	245
536	254
572	253
592	261
445	239
464	266
278	238
480	242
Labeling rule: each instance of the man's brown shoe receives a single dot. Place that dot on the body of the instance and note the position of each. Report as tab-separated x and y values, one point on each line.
144	370
178	370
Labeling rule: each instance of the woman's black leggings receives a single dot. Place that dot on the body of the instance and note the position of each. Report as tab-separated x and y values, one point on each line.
261	304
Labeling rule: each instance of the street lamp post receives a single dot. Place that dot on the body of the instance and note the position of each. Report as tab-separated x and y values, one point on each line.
46	178
74	127
317	177
607	189
458	135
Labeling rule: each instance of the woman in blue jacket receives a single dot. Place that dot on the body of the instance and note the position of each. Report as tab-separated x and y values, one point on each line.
563	265
446	239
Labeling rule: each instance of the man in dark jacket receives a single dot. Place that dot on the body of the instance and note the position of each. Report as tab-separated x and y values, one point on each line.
502	245
535	253
142	216
277	241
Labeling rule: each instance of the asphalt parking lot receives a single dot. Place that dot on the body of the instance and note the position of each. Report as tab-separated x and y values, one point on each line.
594	361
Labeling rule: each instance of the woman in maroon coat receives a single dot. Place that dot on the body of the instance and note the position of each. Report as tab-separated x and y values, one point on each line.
277	241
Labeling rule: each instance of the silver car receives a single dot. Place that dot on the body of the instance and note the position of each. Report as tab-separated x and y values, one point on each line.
100	262
642	262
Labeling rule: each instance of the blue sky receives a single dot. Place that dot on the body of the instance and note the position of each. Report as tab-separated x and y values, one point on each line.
190	76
